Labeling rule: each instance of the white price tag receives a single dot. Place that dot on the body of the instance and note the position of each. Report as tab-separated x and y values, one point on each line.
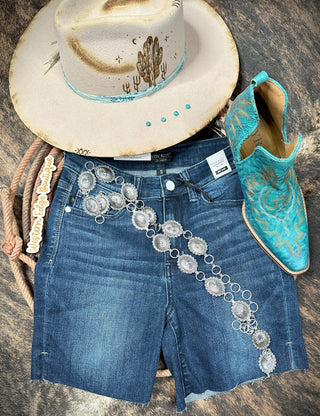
219	164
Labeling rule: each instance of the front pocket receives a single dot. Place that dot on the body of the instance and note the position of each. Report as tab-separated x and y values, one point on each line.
77	202
225	189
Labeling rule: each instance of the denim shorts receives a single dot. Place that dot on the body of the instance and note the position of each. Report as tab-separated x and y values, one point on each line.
109	298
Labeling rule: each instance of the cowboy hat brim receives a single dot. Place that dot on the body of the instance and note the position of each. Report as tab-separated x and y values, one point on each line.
54	112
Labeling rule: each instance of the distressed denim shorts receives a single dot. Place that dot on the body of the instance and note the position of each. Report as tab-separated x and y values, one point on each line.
109	295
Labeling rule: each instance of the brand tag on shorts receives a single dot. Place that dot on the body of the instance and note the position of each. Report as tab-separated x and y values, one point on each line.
143	157
219	164
162	157
161	172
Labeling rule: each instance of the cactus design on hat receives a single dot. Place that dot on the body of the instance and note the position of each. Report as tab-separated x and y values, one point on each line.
149	60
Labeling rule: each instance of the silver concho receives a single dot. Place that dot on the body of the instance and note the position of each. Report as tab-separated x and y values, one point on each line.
161	243
129	191
187	264
261	339
241	311
197	246
105	174
267	361
86	182
117	201
104	202
214	286
151	214
172	228
140	220
91	205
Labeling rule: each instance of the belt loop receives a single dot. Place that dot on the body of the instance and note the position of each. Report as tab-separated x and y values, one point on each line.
193	196
138	184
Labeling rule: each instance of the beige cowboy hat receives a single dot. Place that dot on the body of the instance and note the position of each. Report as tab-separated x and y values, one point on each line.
115	77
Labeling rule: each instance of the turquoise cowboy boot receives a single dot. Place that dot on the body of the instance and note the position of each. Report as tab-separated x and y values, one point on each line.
273	207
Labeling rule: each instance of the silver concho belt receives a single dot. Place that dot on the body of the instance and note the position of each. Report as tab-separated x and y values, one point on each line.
144	218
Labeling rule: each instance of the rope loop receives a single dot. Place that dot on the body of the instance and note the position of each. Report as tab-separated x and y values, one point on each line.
17	249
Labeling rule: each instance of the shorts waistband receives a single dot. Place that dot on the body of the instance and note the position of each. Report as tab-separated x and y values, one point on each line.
189	164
